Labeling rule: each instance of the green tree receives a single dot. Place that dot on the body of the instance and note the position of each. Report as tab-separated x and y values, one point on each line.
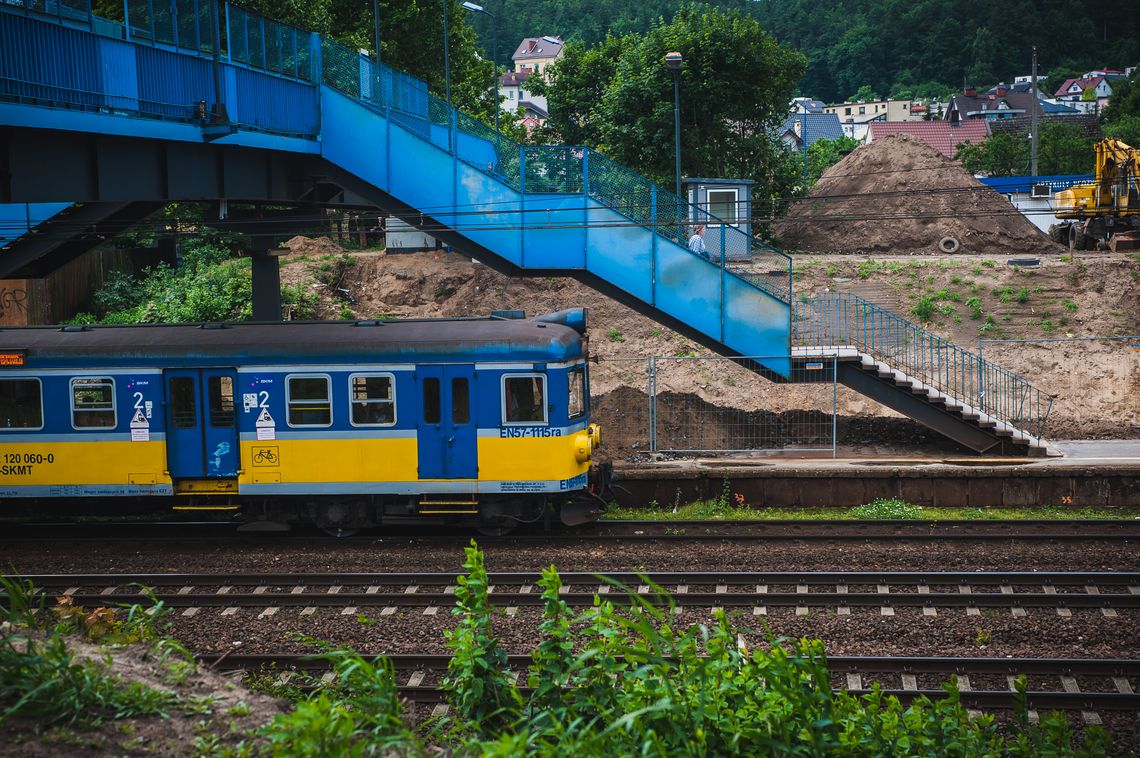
735	88
825	153
1125	100
574	87
864	95
1003	154
1062	148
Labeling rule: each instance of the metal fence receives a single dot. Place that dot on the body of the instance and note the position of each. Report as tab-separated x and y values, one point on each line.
1095	381
841	319
547	169
692	405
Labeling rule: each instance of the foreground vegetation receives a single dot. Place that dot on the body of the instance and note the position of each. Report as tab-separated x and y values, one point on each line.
606	681
725	507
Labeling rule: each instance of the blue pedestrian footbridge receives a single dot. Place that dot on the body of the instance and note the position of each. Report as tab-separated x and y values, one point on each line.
109	121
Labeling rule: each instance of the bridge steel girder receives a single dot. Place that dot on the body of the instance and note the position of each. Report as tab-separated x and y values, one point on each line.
69	235
38	165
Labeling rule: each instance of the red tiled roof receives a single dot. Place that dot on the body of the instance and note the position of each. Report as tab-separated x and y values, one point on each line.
513	78
1084	84
938	134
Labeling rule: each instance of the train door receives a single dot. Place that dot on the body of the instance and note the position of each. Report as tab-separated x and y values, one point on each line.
201	426
446	426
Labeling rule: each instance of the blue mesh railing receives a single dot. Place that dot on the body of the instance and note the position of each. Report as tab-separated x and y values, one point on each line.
258	43
842	319
551	169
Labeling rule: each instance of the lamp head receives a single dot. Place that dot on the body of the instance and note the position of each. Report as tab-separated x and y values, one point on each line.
674	61
473	7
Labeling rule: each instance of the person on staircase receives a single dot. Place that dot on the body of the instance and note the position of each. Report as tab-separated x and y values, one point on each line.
697	242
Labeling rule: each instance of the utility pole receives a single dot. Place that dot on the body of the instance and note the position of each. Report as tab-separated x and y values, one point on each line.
376	28
1033	118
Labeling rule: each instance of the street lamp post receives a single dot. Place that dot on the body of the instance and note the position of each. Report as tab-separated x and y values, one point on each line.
376	27
494	57
674	62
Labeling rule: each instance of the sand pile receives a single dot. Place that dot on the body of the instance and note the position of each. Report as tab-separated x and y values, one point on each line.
899	195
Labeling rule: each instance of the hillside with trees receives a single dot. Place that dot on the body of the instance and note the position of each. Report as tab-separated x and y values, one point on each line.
895	47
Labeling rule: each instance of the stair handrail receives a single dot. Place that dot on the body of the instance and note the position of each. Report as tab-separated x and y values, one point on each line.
845	319
553	169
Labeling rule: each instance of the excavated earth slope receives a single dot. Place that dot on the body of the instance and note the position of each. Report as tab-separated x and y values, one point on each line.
898	195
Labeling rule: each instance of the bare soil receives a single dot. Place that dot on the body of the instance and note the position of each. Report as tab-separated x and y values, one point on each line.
899	195
710	401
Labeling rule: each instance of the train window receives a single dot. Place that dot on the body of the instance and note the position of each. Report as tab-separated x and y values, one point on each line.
373	398
183	402
431	400
21	404
93	403
221	389
576	403
524	399
308	401
460	401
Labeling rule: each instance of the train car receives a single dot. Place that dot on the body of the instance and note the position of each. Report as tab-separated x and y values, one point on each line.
346	424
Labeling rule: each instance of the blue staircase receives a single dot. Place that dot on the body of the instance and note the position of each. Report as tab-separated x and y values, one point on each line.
537	210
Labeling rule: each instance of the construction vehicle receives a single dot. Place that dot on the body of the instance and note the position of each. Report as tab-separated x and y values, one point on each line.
1106	213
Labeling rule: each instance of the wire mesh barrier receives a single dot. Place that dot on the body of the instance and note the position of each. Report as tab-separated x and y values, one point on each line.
695	405
549	169
690	411
619	401
1095	381
258	43
843	320
265	44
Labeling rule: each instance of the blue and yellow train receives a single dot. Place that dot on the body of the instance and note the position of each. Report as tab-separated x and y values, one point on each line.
345	424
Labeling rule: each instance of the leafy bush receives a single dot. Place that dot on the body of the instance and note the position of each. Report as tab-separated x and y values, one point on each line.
975	306
924	308
883	508
41	680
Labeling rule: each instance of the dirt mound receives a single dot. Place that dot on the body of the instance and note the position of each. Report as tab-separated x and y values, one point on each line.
311	246
899	195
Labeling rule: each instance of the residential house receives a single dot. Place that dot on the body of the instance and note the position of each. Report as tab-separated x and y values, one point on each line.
531	58
536	53
816	125
807	105
856	116
998	104
941	135
1074	89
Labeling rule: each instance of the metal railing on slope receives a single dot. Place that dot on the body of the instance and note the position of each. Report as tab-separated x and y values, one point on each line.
550	169
842	319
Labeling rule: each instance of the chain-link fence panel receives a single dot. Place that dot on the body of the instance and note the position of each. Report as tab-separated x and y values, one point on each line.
619	398
1094	383
688	414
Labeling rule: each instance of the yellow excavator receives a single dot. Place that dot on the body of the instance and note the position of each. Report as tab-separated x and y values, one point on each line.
1105	214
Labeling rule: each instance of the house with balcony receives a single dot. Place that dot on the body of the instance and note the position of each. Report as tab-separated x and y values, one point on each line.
1000	103
531	58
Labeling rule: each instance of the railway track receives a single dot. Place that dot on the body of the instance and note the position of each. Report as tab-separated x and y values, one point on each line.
1049	530
930	590
1088	685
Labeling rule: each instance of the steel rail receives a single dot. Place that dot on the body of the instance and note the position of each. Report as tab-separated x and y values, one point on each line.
1055	530
736	600
590	578
1037	699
